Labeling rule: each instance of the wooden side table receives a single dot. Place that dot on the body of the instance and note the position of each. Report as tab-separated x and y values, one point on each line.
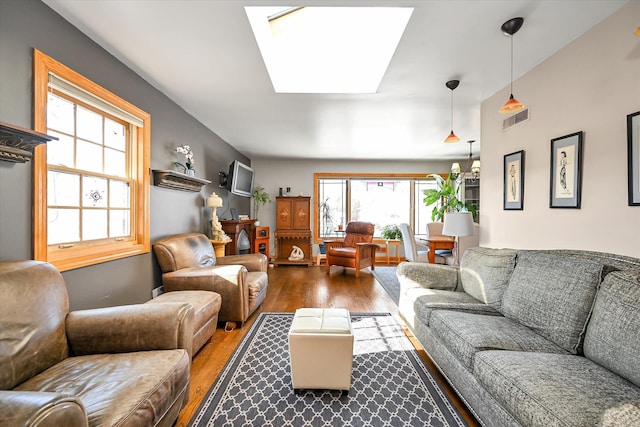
395	243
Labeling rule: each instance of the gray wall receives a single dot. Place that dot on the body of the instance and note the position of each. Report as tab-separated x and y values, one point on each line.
29	24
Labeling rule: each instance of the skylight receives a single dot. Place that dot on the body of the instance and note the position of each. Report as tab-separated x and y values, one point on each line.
327	49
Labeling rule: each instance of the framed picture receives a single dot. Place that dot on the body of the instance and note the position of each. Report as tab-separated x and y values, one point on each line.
566	171
633	154
513	180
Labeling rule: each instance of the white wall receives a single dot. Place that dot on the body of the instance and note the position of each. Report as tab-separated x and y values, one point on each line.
298	174
590	85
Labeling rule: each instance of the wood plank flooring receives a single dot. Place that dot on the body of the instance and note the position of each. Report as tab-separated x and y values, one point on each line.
292	287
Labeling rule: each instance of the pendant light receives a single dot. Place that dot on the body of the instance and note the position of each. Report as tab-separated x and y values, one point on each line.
509	28
452	84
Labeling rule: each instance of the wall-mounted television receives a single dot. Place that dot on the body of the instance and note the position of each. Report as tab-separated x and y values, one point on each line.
240	179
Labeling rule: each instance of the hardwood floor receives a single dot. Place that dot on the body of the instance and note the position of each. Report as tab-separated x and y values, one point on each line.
292	287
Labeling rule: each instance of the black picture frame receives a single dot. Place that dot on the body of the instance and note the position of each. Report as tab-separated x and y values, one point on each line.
566	171
513	181
633	157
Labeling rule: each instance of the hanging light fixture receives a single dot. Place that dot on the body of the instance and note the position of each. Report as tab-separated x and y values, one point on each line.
473	166
509	28
452	84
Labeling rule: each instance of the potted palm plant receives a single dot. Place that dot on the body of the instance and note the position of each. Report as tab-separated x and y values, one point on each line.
447	195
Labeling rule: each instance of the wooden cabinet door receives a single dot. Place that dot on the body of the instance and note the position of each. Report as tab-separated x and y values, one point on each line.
284	213
301	214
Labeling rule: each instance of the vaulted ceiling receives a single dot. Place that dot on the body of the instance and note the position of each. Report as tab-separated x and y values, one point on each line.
202	54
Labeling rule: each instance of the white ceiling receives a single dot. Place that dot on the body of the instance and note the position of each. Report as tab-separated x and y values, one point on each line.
202	55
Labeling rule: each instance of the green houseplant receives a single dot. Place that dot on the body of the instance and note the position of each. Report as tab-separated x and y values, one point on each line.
391	232
447	195
260	197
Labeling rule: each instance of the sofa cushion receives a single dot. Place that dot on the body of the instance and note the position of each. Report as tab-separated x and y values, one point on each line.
612	333
115	387
430	300
553	295
465	334
545	389
485	273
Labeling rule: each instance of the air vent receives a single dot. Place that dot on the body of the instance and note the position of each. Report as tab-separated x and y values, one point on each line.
520	117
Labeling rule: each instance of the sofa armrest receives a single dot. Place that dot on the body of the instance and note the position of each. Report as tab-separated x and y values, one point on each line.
253	262
426	275
131	328
230	281
34	408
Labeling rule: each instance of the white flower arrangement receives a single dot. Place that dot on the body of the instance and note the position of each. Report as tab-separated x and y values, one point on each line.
188	154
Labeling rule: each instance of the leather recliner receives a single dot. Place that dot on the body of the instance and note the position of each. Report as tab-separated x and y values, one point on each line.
123	366
356	250
188	262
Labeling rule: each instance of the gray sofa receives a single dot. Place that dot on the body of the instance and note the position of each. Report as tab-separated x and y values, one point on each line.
532	338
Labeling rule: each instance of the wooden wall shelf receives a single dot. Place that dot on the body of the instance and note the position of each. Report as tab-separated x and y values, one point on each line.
177	181
17	144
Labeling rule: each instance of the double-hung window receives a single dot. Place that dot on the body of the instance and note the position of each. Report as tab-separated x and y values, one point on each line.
92	183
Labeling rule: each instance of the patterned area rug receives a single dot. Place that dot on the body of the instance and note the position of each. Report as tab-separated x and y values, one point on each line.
390	384
386	276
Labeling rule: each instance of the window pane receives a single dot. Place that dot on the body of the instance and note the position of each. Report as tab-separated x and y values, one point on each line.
119	194
89	157
60	152
59	114
332	205
114	163
114	134
422	212
381	202
94	192
89	125
94	224
119	223
64	226
63	189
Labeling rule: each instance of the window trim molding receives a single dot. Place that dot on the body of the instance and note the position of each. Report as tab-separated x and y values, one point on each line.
85	256
317	176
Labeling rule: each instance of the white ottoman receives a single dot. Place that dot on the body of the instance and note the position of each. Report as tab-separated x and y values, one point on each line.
321	349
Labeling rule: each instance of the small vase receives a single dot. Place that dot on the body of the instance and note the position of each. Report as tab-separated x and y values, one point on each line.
191	172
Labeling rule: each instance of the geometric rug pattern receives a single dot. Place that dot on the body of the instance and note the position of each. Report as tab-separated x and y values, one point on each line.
390	384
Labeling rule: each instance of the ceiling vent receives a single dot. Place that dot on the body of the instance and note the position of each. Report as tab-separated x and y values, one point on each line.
518	118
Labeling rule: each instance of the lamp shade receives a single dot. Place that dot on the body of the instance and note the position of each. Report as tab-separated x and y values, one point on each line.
455	168
458	224
475	167
214	201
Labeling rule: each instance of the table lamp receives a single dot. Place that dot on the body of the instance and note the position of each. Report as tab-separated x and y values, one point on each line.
457	224
215	202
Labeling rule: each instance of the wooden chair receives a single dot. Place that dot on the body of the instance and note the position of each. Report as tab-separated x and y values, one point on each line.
356	251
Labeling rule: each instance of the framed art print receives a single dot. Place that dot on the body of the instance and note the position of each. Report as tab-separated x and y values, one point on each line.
633	154
566	171
513	190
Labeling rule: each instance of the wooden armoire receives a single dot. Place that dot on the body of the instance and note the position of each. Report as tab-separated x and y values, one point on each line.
293	228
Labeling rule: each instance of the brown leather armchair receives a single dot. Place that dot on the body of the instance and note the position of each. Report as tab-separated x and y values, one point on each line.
188	262
356	251
126	365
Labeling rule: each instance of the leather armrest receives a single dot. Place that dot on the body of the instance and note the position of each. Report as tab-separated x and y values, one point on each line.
253	262
425	275
131	328
34	408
